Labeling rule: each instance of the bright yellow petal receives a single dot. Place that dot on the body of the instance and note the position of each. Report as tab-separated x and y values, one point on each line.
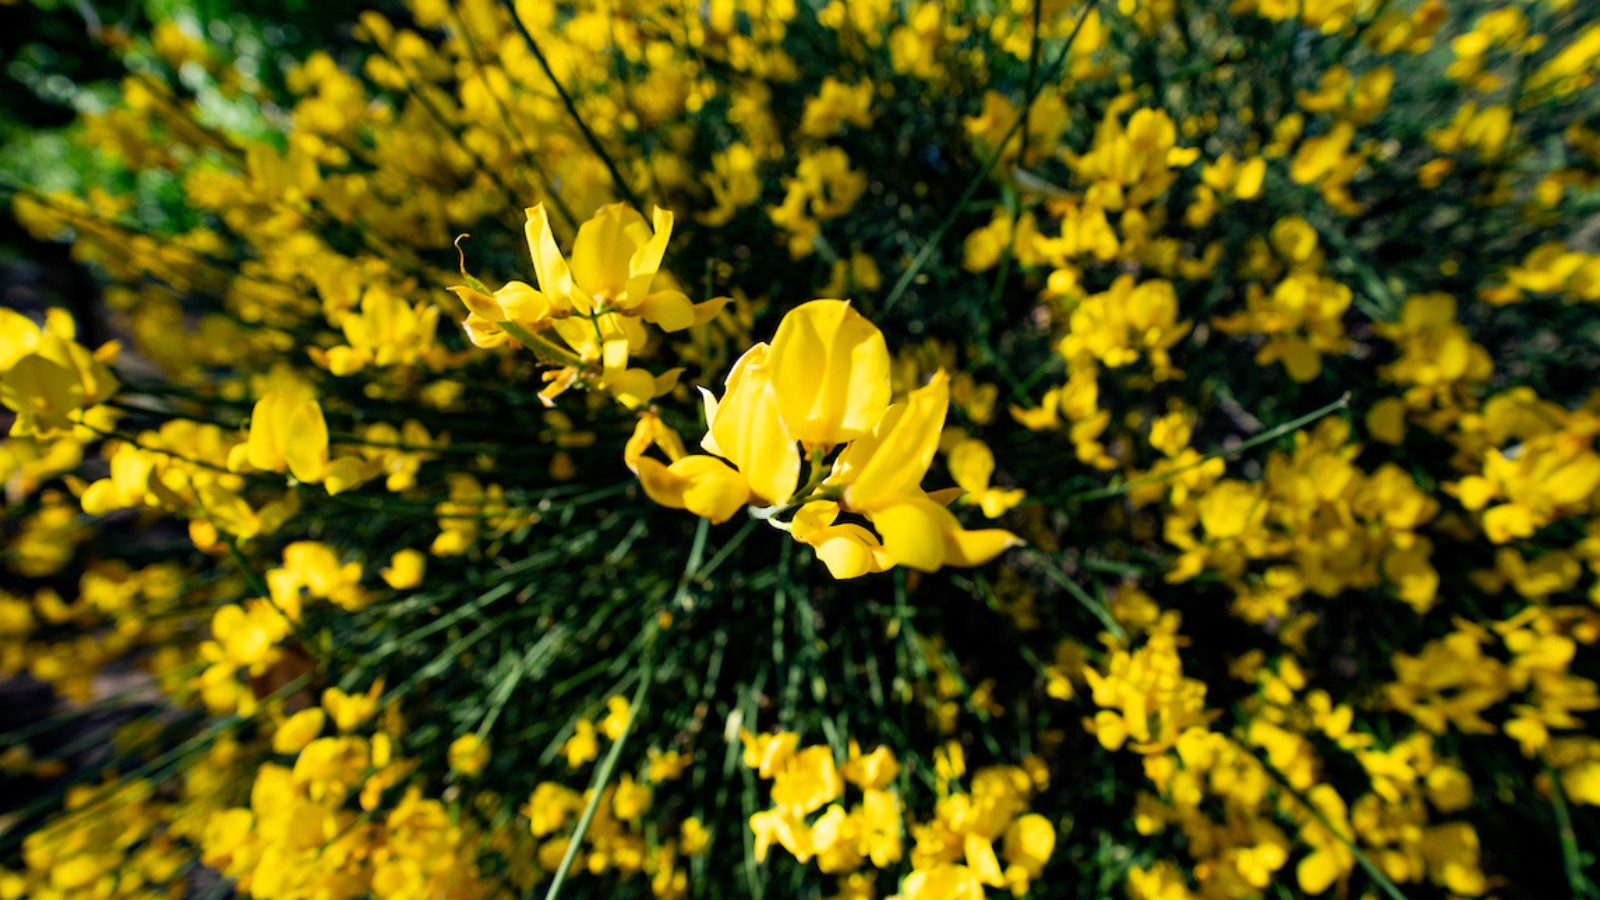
19	336
904	451
711	488
550	268
520	303
830	367
971	464
913	532
668	310
659	484
647	258
479	304
849	551
603	248
707	310
975	548
263	442
304	436
633	388
347	472
749	432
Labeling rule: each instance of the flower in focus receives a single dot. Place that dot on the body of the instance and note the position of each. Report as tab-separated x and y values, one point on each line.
822	383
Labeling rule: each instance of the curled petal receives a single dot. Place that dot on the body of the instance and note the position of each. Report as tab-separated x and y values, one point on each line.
921	534
478	303
484	333
849	551
704	485
712	489
977	547
520	303
633	388
646	261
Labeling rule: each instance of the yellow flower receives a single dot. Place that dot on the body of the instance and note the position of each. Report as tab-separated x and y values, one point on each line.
631	800
880	474
614	259
703	485
767	753
288	433
617	713
808	780
783	827
874	771
583	746
1029	842
46	376
299	730
693	837
517	303
468	754
972	465
550	807
592	306
944	881
350	711
405	569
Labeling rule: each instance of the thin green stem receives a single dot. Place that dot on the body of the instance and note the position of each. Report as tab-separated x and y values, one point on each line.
1095	607
1383	881
1270	434
542	345
602	776
572	108
1571	859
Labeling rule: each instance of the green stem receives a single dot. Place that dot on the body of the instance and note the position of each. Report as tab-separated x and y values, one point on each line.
1270	434
572	108
542	345
816	474
1570	856
1383	881
1094	606
602	776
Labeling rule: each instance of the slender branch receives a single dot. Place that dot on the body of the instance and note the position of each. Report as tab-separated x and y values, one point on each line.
1570	857
566	100
602	776
1272	434
1094	606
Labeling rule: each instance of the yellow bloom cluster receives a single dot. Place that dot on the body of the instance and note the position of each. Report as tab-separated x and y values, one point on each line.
1264	325
954	852
48	380
593	306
